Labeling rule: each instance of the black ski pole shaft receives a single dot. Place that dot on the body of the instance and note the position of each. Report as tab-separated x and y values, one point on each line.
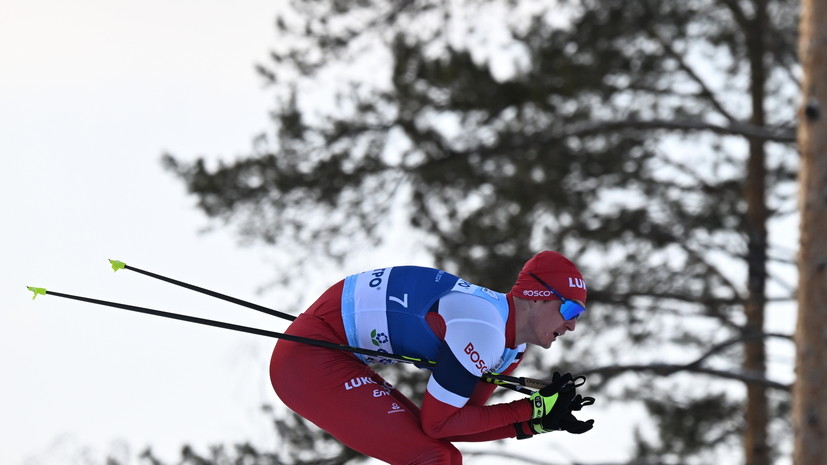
240	328
510	382
117	265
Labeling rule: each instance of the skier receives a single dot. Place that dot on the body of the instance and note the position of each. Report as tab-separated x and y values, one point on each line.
427	313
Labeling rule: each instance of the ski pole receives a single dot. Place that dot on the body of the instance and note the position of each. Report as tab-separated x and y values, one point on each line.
119	265
511	382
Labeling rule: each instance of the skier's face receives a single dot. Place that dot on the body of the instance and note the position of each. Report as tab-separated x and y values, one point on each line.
549	324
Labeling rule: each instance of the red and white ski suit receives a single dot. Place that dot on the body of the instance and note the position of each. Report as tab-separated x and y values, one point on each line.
414	311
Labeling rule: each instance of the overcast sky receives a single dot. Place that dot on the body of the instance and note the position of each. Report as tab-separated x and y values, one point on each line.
91	94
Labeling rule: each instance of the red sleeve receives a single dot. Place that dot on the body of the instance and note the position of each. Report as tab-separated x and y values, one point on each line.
502	432
475	421
440	420
482	392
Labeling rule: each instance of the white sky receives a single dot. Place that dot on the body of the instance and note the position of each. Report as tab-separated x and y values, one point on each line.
91	93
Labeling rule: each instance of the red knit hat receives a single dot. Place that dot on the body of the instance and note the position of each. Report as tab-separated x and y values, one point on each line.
555	270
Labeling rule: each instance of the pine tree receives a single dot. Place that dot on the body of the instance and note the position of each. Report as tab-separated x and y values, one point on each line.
650	141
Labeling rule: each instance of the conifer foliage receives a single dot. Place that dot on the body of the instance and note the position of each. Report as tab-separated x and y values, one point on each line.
651	141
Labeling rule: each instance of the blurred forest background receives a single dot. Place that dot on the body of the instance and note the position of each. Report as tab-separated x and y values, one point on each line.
653	142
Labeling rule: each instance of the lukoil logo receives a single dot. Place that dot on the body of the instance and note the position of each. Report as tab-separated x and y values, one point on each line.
359	381
577	282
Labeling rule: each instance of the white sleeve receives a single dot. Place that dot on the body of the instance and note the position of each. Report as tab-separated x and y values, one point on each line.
474	331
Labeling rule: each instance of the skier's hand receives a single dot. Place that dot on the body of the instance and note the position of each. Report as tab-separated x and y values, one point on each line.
572	424
558	414
555	416
544	400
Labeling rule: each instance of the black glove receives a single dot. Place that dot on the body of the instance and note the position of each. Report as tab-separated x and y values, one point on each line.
555	404
572	424
560	409
544	400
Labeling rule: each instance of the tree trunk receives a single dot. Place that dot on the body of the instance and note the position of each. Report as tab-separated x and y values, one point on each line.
755	433
756	449
809	394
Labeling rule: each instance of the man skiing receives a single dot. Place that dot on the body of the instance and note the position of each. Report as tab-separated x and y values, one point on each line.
427	313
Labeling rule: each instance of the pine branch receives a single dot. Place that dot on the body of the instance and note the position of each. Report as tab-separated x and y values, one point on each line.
668	369
735	128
